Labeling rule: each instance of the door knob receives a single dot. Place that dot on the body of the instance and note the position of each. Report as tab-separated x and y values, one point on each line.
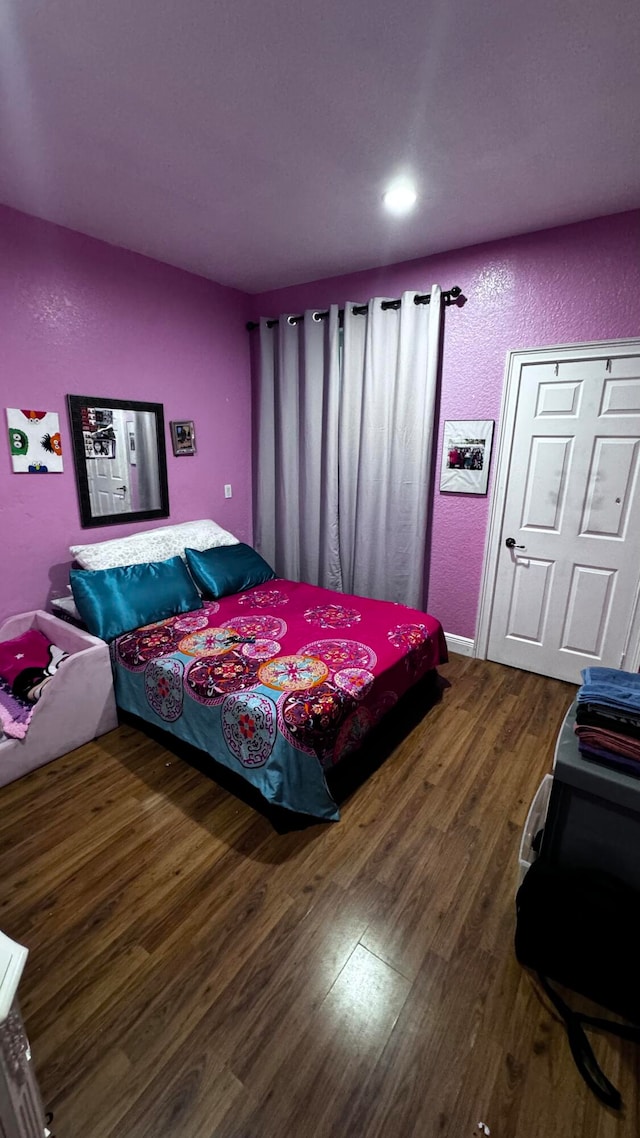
511	544
123	488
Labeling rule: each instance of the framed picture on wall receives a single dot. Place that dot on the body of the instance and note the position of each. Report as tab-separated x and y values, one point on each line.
183	436
34	441
466	454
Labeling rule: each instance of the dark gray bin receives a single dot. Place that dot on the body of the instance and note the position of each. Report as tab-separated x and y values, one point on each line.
594	812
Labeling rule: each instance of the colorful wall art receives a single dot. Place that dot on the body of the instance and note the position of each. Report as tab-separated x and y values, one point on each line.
34	441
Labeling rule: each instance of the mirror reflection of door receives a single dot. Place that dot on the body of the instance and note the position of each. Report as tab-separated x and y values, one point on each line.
121	451
106	448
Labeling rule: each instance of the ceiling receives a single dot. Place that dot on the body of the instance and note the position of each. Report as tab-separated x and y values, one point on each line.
251	140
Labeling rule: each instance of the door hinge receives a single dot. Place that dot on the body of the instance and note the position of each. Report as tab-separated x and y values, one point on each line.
623	657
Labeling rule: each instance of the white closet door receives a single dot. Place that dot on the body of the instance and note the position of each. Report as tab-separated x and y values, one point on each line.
566	588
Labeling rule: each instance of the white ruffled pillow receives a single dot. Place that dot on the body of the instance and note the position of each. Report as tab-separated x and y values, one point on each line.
152	545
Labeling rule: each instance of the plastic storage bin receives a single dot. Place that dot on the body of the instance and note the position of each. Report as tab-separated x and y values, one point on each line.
535	822
594	813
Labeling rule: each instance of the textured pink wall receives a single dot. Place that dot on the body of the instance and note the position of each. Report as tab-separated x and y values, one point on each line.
82	317
579	282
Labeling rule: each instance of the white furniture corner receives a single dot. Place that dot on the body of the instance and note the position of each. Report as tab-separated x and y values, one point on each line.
21	1111
77	704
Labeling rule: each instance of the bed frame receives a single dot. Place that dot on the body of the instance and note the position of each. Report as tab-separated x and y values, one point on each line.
343	780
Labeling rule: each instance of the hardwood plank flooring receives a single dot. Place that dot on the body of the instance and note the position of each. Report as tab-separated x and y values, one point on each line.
194	974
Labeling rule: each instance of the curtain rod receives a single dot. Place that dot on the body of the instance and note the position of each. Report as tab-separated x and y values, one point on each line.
451	296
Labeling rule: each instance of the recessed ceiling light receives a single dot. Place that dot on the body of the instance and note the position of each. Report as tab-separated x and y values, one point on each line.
400	198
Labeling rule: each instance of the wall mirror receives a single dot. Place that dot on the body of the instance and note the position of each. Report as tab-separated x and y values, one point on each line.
120	460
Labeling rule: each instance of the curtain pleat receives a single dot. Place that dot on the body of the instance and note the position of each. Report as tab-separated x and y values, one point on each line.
296	468
385	467
350	440
288	437
264	466
329	572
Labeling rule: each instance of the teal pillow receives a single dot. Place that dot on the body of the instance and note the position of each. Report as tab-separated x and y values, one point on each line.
228	569
113	601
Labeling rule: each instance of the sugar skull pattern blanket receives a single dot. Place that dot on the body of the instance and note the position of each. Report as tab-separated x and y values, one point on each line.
278	683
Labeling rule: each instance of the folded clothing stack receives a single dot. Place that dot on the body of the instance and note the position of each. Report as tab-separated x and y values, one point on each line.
608	718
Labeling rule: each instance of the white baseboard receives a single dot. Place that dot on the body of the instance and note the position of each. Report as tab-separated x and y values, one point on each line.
463	645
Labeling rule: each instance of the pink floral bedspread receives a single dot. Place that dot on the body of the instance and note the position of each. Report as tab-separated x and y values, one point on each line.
278	682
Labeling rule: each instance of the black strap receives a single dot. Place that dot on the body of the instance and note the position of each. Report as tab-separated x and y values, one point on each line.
581	1049
622	1030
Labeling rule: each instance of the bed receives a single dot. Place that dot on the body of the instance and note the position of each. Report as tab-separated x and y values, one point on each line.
250	675
280	683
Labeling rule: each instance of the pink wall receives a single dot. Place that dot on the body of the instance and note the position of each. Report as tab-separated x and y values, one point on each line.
579	282
78	316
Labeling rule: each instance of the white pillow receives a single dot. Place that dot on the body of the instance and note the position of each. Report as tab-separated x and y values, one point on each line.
152	545
66	605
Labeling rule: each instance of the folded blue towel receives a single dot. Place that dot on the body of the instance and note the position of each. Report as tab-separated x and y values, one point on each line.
610	687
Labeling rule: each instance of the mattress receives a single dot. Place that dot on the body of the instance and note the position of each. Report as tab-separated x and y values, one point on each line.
278	683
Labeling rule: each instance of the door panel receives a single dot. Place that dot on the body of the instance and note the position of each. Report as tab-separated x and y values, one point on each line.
614	462
530	600
546	483
621	397
566	599
558	399
588	609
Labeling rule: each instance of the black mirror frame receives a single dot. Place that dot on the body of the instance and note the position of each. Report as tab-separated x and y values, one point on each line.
87	521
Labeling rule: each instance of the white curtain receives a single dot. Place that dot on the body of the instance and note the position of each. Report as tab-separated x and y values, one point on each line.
390	371
344	447
296	472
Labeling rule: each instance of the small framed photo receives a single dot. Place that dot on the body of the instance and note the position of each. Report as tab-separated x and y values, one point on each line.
183	436
466	454
100	443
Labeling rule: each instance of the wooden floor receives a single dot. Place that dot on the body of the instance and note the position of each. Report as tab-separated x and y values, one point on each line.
195	975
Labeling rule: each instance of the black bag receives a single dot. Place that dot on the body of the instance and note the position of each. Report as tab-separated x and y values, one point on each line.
581	927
